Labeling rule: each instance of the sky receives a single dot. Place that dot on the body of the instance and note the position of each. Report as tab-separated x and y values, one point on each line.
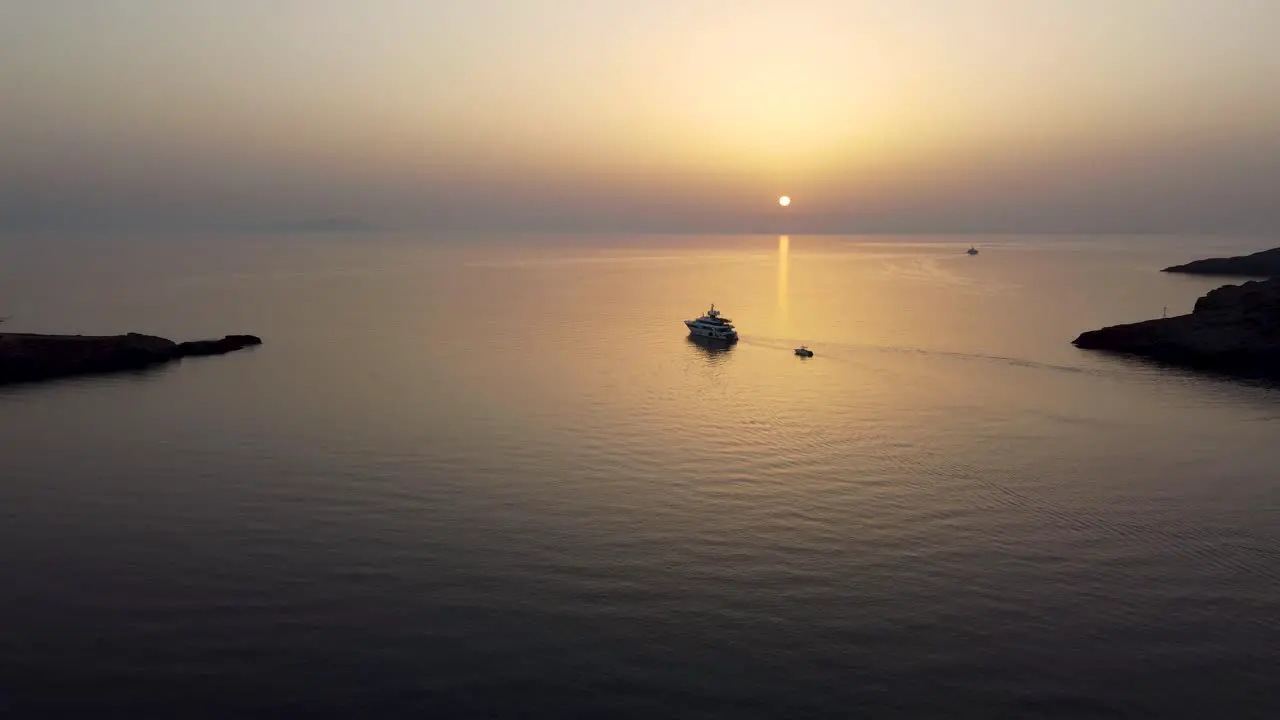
654	116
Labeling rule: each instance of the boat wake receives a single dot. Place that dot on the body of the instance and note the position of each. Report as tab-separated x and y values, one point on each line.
845	351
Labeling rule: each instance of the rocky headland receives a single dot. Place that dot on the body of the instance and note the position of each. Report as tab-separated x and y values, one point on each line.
26	357
1234	329
1263	264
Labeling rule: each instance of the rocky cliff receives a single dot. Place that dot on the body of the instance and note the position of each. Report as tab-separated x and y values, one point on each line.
1233	329
26	357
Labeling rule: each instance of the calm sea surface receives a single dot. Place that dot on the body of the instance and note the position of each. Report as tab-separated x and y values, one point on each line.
478	477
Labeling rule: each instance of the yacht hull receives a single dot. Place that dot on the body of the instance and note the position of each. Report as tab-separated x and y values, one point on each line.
707	333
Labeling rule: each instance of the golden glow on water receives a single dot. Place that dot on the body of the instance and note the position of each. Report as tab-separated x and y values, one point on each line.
784	252
523	429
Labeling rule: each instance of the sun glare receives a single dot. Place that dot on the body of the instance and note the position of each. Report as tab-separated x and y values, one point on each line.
784	201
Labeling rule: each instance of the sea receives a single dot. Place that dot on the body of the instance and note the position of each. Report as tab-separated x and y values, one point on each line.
492	476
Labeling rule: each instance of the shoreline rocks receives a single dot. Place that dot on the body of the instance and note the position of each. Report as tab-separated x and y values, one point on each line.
1234	329
1265	264
28	357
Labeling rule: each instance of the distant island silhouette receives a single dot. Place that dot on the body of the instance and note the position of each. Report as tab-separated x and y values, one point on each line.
1259	264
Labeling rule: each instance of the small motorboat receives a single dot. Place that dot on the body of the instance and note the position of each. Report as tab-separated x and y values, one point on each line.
972	250
803	351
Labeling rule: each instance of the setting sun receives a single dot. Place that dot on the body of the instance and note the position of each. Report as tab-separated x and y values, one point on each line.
784	201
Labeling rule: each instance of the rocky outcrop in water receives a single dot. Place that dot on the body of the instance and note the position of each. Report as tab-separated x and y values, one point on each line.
1234	329
1259	264
26	357
227	344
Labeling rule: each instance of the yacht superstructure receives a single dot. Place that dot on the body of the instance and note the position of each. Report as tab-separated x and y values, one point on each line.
712	325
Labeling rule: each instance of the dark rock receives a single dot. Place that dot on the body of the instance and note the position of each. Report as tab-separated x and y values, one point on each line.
1234	329
27	357
227	344
1259	264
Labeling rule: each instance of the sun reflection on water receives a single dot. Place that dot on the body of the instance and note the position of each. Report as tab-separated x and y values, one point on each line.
784	252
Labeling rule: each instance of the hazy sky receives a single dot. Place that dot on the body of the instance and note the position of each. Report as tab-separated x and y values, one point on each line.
917	115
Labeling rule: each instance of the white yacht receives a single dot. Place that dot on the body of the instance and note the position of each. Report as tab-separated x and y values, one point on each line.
712	325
